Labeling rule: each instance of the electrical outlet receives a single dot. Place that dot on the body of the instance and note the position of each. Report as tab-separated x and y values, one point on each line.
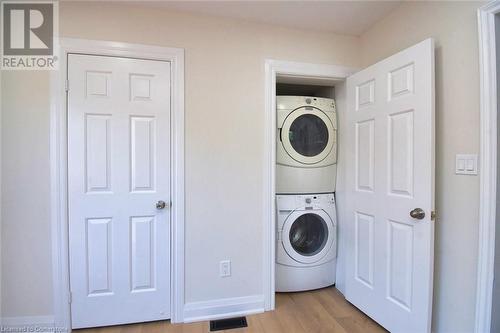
225	268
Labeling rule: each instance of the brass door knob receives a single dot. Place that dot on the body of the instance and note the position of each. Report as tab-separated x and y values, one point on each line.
417	213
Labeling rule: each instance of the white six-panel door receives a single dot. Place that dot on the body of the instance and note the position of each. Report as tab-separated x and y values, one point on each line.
118	169
390	165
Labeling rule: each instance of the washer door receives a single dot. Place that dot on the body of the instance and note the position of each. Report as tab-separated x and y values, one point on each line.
308	135
308	235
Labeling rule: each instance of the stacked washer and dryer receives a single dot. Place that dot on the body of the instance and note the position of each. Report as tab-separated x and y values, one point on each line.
306	158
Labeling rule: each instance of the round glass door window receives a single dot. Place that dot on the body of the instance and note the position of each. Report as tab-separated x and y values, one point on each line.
308	135
308	234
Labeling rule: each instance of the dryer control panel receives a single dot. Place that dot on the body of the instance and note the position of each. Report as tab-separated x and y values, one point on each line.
294	102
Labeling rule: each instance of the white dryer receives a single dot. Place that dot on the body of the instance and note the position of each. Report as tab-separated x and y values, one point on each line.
306	145
306	242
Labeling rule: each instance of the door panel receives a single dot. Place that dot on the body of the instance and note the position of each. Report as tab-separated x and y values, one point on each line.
118	168
99	253
400	263
142	254
142	138
97	158
365	155
390	163
364	248
400	153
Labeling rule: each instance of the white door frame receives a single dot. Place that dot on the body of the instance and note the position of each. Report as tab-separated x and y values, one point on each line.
274	68
487	164
58	167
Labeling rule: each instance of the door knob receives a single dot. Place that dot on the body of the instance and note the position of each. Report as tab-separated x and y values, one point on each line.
417	213
160	204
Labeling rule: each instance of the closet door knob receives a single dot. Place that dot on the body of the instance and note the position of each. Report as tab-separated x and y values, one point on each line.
417	213
160	204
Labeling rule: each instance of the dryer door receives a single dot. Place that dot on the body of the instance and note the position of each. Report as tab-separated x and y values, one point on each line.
308	135
307	236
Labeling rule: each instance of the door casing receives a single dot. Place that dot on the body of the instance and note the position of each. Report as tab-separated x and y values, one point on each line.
487	163
59	171
274	69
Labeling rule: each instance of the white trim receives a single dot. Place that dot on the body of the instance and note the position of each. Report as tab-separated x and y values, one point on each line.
274	68
58	166
487	164
30	321
223	308
1	222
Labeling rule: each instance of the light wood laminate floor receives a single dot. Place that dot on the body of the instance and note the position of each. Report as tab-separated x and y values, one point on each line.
324	310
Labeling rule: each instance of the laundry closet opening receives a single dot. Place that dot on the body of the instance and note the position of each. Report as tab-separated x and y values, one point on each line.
307	179
351	206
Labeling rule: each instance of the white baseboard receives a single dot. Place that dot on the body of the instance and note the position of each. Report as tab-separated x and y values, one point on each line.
223	308
195	311
27	321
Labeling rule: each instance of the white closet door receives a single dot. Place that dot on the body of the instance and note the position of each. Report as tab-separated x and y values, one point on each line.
118	169
390	178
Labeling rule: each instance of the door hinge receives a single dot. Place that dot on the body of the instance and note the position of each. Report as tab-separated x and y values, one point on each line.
66	85
70	297
433	215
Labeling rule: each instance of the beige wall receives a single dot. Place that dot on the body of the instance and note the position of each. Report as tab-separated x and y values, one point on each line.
224	145
26	249
454	27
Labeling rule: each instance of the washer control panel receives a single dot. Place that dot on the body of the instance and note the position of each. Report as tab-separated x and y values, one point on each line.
304	201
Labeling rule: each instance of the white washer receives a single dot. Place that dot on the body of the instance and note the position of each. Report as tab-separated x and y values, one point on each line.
306	242
306	144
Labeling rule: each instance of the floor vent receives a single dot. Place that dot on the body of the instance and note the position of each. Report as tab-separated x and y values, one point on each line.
227	324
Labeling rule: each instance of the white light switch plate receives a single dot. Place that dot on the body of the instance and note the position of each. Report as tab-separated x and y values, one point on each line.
466	164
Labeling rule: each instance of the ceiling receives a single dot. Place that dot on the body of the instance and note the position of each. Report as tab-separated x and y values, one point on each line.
343	17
